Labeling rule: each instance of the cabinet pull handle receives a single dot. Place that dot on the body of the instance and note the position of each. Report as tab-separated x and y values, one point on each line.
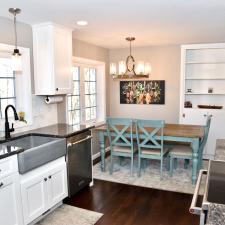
1	184
45	179
208	115
50	177
77	142
0	170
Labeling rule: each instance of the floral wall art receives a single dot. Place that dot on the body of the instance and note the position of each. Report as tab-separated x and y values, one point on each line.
142	92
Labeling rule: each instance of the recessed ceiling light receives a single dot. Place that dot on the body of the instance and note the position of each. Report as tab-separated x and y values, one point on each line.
82	23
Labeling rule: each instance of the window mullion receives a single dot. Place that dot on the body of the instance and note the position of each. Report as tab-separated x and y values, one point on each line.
82	94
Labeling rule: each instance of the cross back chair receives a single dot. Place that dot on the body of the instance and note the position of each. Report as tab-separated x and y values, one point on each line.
120	134
150	141
185	151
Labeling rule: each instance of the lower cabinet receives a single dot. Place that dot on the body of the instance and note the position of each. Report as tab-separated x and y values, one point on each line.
10	203
57	185
43	188
217	128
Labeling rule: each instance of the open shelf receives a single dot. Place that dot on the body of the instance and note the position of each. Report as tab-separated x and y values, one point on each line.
199	62
205	78
204	93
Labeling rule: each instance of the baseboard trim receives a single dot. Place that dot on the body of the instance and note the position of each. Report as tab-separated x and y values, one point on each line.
96	158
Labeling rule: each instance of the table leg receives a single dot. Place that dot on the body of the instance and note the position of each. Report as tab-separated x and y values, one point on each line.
195	147
102	150
200	158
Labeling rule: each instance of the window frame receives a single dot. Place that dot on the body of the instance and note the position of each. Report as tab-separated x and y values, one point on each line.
89	67
2	116
74	95
82	95
23	95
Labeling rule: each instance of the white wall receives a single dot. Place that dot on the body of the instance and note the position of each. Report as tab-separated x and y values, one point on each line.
165	63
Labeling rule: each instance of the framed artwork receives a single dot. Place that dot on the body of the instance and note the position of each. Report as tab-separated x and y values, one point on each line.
142	92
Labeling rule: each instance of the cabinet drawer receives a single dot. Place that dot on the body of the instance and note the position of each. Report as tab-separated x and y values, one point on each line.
8	166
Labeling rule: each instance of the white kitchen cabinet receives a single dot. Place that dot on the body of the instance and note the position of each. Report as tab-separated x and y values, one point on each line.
10	201
43	188
193	116
52	50
34	197
57	185
202	69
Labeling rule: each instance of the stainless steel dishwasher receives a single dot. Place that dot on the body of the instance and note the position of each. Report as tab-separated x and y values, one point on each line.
79	161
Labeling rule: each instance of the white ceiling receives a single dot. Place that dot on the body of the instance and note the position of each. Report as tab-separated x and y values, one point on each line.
152	22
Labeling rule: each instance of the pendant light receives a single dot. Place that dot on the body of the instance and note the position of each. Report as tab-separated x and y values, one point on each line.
129	68
16	56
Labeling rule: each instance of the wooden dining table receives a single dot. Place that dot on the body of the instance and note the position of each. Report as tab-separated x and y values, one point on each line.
177	133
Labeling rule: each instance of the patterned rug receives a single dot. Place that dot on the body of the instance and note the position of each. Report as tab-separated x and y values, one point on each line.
150	176
69	215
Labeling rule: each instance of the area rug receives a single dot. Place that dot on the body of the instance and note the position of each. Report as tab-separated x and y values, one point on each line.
150	176
69	215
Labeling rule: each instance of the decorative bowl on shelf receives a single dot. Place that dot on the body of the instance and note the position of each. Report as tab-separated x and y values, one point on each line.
210	106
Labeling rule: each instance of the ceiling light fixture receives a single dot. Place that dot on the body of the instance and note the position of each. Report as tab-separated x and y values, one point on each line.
82	23
16	56
129	69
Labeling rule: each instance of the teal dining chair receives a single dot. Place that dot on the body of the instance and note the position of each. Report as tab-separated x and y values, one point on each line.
185	151
150	141
120	134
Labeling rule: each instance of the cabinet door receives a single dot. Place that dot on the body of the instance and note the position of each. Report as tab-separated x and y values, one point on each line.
34	197
193	116
63	61
57	185
10	203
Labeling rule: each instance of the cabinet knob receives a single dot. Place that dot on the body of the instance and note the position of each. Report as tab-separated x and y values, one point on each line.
45	179
183	115
56	89
1	184
50	177
0	170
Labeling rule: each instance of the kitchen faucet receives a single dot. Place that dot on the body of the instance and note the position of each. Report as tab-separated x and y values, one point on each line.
7	129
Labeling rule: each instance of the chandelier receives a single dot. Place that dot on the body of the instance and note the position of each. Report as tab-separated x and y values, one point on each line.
129	68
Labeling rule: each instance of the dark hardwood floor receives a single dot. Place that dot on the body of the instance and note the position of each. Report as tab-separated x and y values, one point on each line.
129	205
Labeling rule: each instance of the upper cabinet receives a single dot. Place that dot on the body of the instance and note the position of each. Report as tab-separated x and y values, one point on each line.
52	49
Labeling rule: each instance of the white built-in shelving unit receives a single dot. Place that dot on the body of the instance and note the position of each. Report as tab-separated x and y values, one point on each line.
203	68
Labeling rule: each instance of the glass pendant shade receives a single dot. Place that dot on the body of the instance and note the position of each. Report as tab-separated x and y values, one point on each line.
147	68
113	69
122	67
17	61
140	68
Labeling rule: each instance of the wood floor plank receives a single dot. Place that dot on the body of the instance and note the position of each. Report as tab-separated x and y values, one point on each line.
123	204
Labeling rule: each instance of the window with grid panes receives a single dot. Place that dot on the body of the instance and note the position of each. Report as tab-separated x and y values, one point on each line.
90	93
74	109
7	86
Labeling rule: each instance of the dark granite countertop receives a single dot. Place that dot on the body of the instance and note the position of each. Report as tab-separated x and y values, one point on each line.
60	130
6	151
216	214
